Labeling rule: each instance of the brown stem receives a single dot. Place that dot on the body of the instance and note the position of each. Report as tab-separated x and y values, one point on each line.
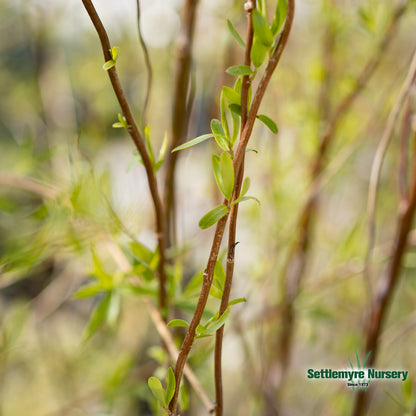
181	108
203	297
238	163
147	63
246	83
293	270
140	145
387	287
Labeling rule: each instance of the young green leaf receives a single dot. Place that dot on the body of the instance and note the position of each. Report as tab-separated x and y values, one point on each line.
219	275
236	109
215	292
213	216
237	301
235	34
170	389
268	122
156	387
224	121
245	187
246	198
279	16
143	254
261	29
237	86
105	279
236	126
238	70
109	64
114	52
224	173
178	322
258	52
218	132
193	142
97	318
214	326
148	144
88	291
231	95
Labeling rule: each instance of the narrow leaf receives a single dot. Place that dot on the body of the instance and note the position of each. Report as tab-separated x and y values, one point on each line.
224	121
237	301
88	291
193	142
245	187
236	109
218	323
97	318
268	122
232	96
156	387
235	34
261	29
213	216
218	132
224	173
238	70
170	389
279	16
114	52
109	64
178	322
258	52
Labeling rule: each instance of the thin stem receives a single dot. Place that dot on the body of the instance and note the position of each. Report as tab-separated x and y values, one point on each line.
379	158
147	63
196	319
294	267
180	109
219	231
246	83
388	285
140	145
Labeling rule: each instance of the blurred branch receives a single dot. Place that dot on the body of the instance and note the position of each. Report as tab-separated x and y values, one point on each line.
182	104
147	64
161	328
294	267
379	158
28	184
388	282
140	145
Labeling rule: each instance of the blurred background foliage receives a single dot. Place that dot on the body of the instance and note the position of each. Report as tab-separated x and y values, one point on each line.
71	187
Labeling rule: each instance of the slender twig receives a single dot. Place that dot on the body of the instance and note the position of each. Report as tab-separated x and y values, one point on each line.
140	145
160	325
246	83
28	184
219	231
180	108
388	284
294	267
379	158
147	64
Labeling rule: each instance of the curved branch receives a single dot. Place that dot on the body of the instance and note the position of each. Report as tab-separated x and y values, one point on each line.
140	145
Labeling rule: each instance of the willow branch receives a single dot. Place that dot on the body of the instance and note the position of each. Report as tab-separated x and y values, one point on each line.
379	158
147	63
388	284
140	145
245	87
181	107
294	266
161	328
238	163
